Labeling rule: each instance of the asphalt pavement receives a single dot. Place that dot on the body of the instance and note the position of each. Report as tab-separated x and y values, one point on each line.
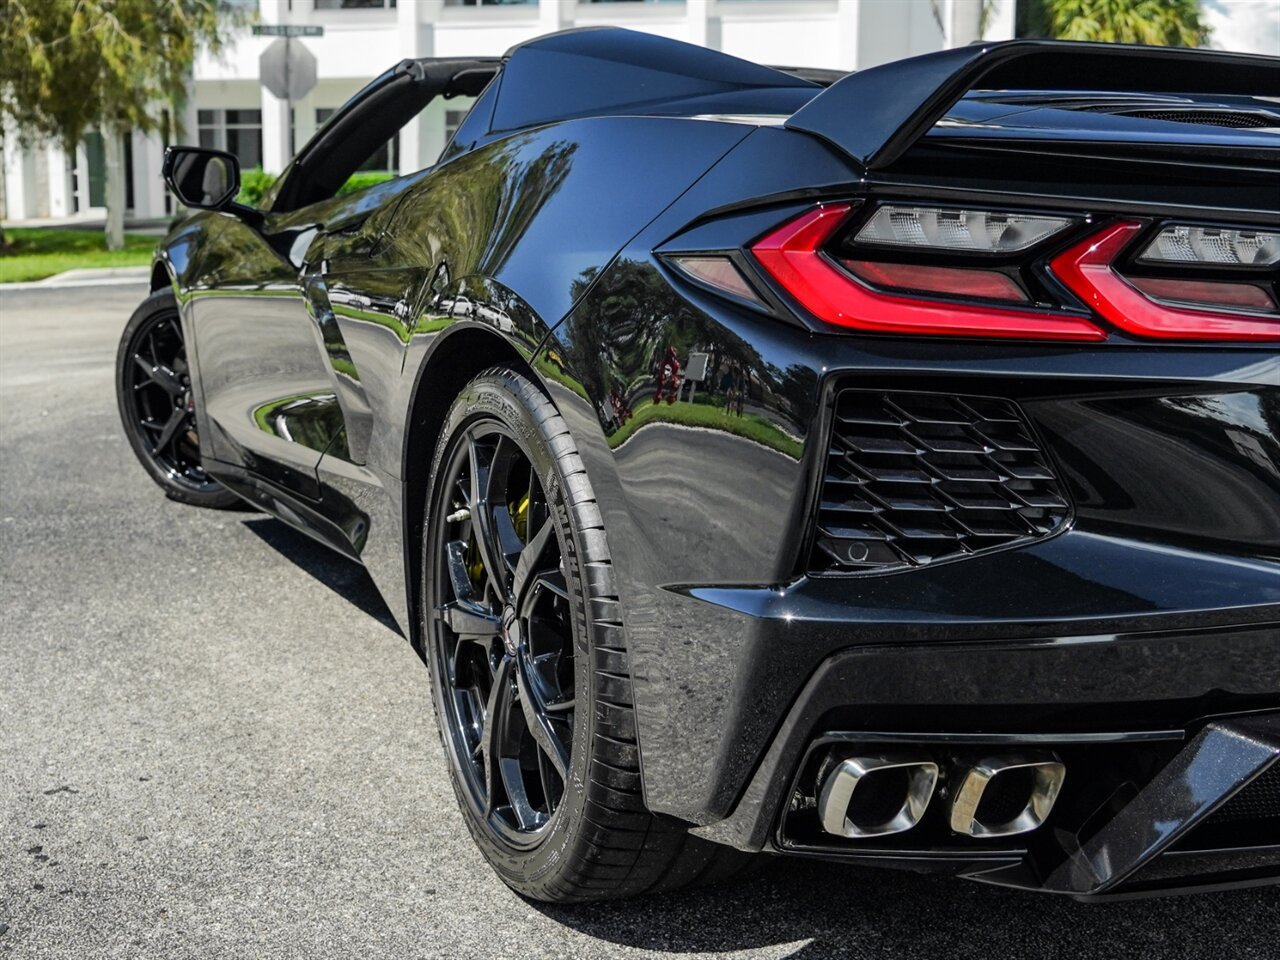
213	744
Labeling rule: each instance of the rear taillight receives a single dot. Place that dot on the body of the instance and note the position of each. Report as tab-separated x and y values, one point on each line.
1088	269
1230	246
793	255
963	272
958	229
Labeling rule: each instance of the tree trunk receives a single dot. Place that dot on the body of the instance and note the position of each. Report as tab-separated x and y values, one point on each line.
4	200
113	147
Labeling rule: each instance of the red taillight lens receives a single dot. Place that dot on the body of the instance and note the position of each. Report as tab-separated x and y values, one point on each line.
1087	270
1206	293
950	281
793	256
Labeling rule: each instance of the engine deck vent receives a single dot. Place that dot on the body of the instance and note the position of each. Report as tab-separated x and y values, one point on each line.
1239	119
915	478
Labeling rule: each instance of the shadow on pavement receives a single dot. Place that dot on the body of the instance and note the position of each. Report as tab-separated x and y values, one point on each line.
827	910
344	577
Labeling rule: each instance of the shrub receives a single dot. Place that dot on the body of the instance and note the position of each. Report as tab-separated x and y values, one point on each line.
253	184
363	180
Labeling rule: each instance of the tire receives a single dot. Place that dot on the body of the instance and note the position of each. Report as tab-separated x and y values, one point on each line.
598	841
153	394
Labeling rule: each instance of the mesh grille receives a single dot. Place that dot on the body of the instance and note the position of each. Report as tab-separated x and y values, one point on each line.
913	478
1210	118
1260	800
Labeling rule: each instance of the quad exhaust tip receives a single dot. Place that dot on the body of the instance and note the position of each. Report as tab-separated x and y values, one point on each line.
874	796
1007	795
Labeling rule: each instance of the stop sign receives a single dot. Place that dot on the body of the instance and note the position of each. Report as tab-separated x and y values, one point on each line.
287	68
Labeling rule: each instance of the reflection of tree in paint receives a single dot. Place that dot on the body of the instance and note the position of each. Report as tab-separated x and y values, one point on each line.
475	209
627	328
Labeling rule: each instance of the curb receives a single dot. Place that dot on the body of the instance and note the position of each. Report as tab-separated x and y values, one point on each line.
106	276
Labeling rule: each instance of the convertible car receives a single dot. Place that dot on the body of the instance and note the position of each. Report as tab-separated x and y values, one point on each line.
880	467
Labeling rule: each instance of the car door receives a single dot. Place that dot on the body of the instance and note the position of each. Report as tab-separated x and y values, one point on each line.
268	398
279	383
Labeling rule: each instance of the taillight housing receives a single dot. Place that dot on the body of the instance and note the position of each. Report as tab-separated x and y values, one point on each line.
867	280
900	268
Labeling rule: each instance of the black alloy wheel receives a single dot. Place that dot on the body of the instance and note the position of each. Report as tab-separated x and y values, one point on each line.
521	629
504	645
157	406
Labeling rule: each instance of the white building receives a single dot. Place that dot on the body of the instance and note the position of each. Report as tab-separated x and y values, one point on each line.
230	109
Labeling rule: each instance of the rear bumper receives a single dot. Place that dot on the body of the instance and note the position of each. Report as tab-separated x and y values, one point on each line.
1126	710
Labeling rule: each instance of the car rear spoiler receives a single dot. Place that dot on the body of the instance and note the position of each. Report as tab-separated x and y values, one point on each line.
876	115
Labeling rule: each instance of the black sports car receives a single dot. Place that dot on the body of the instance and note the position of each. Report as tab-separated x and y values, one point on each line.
881	467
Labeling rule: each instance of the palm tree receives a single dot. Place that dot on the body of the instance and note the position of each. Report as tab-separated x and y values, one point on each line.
1165	23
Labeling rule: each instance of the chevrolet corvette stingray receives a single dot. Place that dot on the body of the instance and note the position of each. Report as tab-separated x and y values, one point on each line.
880	467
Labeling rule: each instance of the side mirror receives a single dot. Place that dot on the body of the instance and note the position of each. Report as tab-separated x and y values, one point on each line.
202	178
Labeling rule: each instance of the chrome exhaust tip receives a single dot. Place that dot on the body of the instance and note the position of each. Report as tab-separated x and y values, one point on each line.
1007	795
877	795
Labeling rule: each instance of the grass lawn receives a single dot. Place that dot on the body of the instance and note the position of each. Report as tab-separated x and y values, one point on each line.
36	253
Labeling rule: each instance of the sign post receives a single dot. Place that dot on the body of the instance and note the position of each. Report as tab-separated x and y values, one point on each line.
286	69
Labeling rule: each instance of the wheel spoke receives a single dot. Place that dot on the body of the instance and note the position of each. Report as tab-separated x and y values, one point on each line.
543	670
548	581
459	578
518	803
470	620
495	534
160	375
171	428
495	716
544	735
552	785
530	559
147	368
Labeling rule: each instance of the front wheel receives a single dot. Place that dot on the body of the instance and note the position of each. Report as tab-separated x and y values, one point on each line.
529	664
157	408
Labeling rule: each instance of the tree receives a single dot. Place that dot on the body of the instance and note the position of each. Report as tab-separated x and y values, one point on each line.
1163	23
70	66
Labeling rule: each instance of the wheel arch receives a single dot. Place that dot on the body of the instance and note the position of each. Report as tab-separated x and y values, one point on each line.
161	278
452	361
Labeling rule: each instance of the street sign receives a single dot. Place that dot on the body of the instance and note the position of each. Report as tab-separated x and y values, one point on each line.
286	30
288	69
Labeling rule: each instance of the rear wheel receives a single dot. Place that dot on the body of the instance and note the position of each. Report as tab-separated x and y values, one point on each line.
529	664
157	408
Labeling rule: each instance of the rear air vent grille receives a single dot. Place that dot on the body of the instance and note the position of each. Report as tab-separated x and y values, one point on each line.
915	478
1239	119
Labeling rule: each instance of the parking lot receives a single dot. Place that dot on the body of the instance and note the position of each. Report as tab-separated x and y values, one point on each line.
214	744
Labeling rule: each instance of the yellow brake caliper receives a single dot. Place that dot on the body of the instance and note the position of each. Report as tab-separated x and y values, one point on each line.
519	517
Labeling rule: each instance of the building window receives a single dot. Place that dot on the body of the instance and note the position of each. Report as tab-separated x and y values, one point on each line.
238	132
355	4
487	3
385	159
